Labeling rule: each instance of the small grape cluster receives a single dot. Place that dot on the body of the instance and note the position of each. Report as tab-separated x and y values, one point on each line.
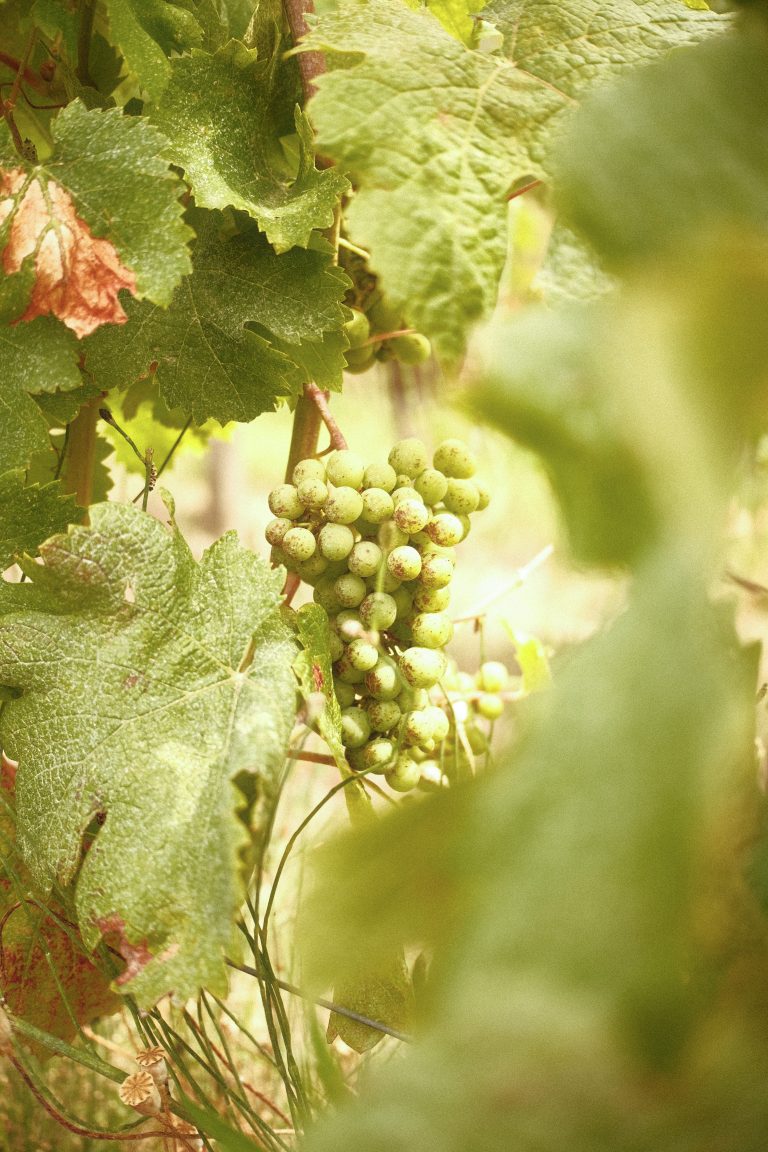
365	332
378	545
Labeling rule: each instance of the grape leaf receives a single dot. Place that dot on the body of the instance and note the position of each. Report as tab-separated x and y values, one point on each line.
157	691
112	168
385	996
693	186
434	135
37	357
571	270
145	31
29	515
209	363
224	115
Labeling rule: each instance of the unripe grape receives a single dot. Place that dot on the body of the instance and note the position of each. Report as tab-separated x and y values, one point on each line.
411	348
432	778
354	757
276	529
405	492
365	558
357	328
477	740
413	699
345	693
309	469
431	485
454	459
484	497
489	706
379	754
299	543
350	590
416	728
409	457
362	655
390	536
405	775
466	524
335	646
462	497
349	625
403	602
404	563
311	570
345	469
445	529
325	596
464	683
431	629
492	676
359	360
284	502
384	715
346	671
411	516
384	682
343	506
380	476
378	611
436	571
422	667
336	541
366	529
384	317
355	728
431	599
384	581
312	493
378	505
439	723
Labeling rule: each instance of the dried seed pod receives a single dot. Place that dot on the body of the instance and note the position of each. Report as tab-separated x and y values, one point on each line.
139	1091
153	1060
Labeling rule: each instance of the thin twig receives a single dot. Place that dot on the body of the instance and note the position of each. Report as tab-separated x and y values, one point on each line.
525	188
311	757
320	400
291	587
28	75
517	580
380	337
168	457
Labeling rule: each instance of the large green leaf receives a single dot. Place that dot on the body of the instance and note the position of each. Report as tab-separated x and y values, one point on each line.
209	363
435	135
145	32
637	172
29	515
224	115
159	692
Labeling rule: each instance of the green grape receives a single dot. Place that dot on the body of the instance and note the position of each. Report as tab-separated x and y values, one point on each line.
431	599
378	505
299	543
363	655
405	492
431	485
309	469
284	502
355	728
359	360
454	459
350	590
411	516
416	728
492	676
484	497
310	570
411	348
405	775
354	757
384	682
345	671
336	541
384	581
431	629
445	529
379	754
357	328
336	646
404	563
365	558
343	506
366	528
462	497
477	740
325	596
422	667
464	683
349	624
413	699
384	715
378	611
432	778
380	476
403	602
436	571
312	493
489	706
345	693
439	723
428	547
276	529
384	317
390	536
409	457
345	469
466	524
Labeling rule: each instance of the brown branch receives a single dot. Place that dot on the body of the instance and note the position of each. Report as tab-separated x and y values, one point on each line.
311	64
320	400
311	757
525	188
28	76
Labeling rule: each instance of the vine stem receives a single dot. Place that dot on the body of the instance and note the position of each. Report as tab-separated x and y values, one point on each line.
311	64
77	476
87	12
320	400
10	103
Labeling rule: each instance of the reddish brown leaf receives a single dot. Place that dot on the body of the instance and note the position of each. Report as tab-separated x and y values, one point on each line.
77	275
136	956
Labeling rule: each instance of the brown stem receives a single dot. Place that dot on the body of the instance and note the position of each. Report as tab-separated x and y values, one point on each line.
311	64
320	400
28	75
84	33
77	475
291	587
525	188
311	757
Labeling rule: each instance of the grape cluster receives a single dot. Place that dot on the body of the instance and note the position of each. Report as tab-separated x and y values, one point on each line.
365	347
377	543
